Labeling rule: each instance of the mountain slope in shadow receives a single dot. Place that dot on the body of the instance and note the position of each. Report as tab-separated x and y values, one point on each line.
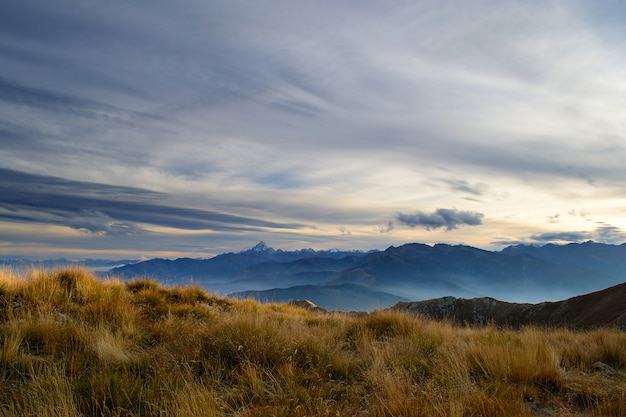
601	308
344	297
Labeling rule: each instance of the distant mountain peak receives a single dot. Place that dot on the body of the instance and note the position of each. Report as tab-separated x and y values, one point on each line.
261	247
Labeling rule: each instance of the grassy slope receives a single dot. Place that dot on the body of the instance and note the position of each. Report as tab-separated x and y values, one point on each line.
72	345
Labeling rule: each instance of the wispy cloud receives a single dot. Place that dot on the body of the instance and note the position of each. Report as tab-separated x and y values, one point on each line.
464	186
22	95
555	218
386	227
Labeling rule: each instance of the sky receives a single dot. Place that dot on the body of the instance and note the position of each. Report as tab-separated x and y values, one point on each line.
140	129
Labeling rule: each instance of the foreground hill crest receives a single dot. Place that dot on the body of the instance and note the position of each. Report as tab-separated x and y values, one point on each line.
74	345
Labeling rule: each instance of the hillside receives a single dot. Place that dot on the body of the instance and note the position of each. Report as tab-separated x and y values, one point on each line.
344	297
600	308
283	275
73	345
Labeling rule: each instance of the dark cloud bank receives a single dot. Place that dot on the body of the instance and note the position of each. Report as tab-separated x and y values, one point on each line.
106	209
604	233
441	218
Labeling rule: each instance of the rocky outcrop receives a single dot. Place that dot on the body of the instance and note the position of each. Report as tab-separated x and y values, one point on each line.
306	304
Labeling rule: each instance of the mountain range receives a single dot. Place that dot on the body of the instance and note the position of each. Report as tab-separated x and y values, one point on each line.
20	265
227	267
419	271
354	280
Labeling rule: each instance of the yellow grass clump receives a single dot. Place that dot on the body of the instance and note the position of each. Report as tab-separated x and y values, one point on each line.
74	345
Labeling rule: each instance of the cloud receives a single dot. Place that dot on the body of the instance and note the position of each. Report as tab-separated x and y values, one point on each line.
345	231
386	227
106	209
562	237
476	189
441	218
510	242
602	234
95	222
555	218
609	234
584	213
22	95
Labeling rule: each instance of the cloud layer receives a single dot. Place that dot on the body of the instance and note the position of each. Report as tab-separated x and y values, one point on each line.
330	124
106	209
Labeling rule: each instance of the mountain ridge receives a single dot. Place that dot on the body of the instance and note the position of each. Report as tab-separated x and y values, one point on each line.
343	297
221	267
606	307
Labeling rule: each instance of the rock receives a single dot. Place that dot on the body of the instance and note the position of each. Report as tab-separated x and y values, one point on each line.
539	409
602	367
309	305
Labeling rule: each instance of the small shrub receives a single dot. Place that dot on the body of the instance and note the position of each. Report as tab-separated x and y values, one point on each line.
48	394
387	324
50	338
140	284
189	399
187	295
111	394
114	315
611	348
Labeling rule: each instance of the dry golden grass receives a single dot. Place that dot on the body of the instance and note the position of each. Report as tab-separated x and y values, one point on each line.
72	345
